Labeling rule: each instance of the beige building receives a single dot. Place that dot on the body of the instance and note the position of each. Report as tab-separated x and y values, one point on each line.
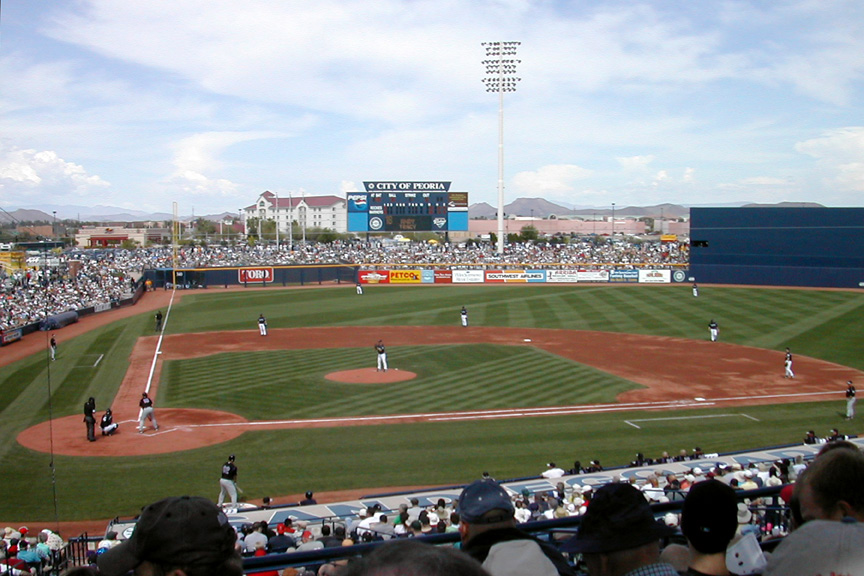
114	236
300	211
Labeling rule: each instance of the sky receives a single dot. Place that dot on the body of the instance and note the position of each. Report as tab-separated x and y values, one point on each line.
141	104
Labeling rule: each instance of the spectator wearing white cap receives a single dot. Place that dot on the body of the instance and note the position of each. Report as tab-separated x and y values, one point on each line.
552	471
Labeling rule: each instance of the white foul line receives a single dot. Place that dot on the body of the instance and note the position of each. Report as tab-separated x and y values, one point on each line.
631	422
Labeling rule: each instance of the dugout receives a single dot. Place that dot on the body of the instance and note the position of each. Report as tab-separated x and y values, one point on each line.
814	247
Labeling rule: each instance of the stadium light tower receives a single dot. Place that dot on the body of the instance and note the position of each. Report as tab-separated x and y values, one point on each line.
500	78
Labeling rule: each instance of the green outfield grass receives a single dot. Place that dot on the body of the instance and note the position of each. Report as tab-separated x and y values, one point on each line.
288	384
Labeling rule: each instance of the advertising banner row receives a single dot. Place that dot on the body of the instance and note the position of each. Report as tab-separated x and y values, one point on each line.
456	276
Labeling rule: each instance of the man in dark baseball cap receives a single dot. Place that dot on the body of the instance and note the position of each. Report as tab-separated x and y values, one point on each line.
619	534
489	535
177	536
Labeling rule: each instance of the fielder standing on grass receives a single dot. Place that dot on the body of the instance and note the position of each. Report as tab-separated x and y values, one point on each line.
228	482
714	330
262	325
850	400
53	345
464	315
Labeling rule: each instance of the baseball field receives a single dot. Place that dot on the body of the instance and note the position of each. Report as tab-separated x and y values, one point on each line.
542	373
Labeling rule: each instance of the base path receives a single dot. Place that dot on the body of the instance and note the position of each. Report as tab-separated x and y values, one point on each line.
676	373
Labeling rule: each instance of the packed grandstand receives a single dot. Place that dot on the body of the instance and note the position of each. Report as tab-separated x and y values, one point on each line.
87	278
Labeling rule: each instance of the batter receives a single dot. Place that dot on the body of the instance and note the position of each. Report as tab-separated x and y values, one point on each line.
146	405
228	482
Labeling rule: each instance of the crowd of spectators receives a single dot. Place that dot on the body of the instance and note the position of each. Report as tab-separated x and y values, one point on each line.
105	276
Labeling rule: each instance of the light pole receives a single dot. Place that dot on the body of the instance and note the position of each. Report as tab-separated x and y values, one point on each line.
54	225
290	222
277	221
500	78
613	219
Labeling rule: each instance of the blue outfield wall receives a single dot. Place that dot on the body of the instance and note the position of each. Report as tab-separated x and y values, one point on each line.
812	247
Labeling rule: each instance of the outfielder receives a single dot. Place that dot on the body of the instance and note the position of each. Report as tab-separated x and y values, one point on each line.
788	365
714	330
464	315
695	290
146	406
382	356
850	400
228	482
359	289
53	345
262	325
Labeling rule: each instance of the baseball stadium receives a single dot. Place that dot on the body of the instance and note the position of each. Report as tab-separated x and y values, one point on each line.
566	372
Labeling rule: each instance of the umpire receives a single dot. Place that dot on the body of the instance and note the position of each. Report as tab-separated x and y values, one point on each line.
90	418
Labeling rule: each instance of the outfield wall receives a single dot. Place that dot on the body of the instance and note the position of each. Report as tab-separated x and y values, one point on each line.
813	247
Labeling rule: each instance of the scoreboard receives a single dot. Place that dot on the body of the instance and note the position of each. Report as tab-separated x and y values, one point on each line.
407	207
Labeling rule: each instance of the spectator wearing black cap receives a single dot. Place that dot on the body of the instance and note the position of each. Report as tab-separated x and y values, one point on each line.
178	536
489	535
309	500
709	519
619	535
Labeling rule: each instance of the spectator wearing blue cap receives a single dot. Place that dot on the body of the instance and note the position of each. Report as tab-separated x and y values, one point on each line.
619	535
489	535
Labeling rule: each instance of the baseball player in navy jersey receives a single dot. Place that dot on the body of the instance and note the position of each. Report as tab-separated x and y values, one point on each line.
382	356
714	330
262	325
850	400
53	345
146	406
228	482
787	364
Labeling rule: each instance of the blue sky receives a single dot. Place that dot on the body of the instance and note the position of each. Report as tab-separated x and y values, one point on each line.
207	103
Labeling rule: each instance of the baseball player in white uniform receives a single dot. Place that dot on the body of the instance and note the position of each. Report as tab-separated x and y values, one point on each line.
714	330
695	290
359	289
262	325
850	400
464	315
787	363
382	356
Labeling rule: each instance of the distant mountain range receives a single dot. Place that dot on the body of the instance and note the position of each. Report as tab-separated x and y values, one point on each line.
521	207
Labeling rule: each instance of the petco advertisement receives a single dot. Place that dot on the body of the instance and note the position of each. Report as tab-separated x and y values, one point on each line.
406	276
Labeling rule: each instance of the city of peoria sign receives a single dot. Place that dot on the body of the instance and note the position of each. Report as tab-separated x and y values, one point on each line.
398	206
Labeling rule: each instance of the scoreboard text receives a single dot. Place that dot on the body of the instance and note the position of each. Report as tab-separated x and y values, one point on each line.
407	207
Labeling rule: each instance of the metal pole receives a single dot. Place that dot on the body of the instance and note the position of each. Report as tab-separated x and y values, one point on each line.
277	220
290	222
500	78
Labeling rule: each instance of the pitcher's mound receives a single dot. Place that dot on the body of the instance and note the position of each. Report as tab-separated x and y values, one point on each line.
371	376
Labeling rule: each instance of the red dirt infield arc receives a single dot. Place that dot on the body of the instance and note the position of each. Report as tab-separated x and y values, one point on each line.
675	373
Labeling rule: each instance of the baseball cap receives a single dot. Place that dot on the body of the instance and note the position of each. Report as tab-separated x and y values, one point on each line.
820	547
481	497
179	531
709	516
619	518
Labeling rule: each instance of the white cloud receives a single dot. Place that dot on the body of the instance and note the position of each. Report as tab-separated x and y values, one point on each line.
635	163
32	173
549	181
839	154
